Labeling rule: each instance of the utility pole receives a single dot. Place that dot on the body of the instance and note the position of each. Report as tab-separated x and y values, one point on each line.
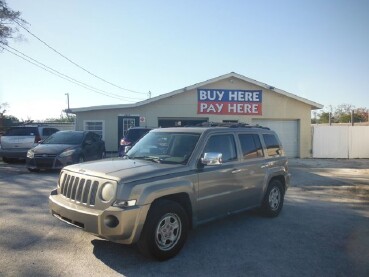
67	94
68	110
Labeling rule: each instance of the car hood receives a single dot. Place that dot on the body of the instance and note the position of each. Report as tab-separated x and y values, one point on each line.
52	148
124	169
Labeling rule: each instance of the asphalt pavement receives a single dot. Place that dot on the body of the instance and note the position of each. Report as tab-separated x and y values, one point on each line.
323	230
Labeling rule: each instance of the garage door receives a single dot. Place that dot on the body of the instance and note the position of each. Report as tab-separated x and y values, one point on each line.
287	131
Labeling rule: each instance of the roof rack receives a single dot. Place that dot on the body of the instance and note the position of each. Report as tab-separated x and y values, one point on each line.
230	125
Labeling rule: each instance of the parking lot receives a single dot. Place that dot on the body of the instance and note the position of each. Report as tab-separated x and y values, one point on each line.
323	230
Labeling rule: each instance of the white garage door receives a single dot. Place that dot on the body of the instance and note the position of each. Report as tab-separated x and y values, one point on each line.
287	131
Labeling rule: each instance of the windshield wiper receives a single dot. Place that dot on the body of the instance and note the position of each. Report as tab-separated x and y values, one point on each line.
147	158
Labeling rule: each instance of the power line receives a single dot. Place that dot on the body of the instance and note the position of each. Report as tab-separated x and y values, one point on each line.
63	76
92	74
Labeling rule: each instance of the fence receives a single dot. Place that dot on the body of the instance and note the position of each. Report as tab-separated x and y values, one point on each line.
346	142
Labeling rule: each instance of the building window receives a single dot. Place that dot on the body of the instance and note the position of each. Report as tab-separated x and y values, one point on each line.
96	126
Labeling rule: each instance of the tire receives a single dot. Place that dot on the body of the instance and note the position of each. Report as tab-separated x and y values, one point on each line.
165	230
273	199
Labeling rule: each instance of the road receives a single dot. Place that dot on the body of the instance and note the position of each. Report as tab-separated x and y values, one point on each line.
323	230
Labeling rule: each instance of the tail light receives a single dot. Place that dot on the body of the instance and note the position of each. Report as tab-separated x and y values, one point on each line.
37	139
125	142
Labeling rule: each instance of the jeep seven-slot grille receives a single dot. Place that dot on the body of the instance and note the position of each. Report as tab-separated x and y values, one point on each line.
79	189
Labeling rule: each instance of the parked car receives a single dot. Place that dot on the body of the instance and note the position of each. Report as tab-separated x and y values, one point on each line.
65	148
131	137
174	179
18	140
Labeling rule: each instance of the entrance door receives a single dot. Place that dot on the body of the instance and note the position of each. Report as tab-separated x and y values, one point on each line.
124	123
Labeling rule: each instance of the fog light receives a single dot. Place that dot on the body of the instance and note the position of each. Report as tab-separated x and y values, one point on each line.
111	221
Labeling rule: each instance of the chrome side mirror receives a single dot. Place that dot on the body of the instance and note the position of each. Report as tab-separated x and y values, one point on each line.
212	158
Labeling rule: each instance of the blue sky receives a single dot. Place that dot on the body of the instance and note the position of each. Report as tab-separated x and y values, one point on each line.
318	50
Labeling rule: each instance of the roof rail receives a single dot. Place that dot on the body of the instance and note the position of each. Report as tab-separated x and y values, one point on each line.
230	125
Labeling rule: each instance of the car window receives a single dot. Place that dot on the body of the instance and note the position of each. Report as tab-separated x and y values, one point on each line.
222	144
73	138
136	134
272	145
96	137
251	146
48	131
22	131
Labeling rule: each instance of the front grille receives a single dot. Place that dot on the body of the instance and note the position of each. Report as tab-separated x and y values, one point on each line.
79	189
45	155
44	163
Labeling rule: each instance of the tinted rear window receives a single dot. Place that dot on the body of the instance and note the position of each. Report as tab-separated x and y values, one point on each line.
136	134
22	131
272	145
251	146
49	131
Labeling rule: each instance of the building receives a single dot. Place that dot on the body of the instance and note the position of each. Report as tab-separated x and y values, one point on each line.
227	98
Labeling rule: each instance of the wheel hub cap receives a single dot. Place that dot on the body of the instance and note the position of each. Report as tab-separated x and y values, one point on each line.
168	231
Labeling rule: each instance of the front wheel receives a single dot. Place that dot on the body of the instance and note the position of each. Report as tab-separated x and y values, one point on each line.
273	199
165	230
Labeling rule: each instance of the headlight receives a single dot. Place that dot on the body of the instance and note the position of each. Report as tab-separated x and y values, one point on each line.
107	192
67	153
30	154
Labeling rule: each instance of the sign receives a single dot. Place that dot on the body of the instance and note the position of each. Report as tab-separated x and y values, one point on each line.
228	102
142	119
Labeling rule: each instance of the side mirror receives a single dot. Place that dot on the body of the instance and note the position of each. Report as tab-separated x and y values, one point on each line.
212	158
88	142
127	148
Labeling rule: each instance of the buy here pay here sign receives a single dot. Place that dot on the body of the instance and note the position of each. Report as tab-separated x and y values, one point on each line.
228	102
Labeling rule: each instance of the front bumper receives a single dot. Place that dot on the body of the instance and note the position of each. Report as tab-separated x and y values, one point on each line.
114	224
50	162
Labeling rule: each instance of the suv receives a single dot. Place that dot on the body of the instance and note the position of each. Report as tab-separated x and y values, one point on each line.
131	137
172	180
18	140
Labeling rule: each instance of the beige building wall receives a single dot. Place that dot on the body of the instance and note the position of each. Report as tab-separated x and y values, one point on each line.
274	106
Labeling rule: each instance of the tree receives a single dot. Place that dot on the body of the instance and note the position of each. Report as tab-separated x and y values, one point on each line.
9	22
63	119
341	114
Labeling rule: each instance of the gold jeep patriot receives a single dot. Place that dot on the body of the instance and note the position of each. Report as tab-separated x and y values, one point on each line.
172	180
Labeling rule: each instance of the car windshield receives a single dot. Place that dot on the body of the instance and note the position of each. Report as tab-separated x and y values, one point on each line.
64	138
165	147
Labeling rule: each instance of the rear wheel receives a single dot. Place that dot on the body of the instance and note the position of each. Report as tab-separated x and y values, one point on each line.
165	230
273	199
